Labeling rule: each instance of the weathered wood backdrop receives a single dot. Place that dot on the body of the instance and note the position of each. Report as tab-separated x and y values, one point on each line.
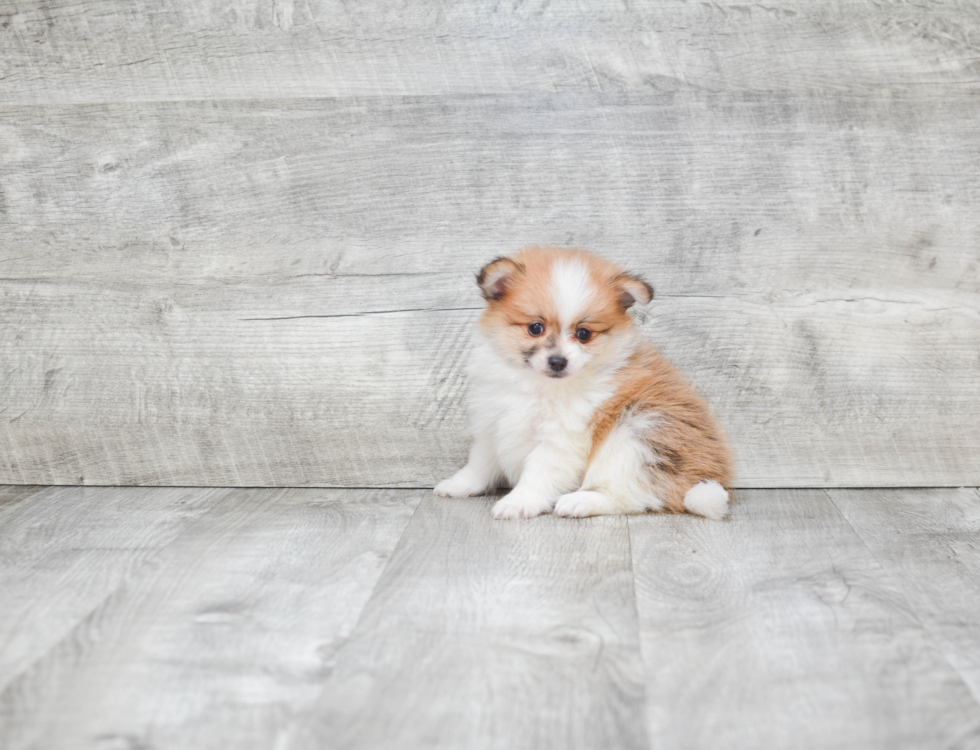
237	237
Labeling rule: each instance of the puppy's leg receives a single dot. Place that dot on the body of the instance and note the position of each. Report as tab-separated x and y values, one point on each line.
549	471
617	479
481	473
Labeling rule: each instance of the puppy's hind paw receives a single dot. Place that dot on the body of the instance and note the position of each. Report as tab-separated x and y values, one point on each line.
584	503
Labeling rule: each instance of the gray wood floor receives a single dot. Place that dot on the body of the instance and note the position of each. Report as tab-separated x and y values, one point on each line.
315	618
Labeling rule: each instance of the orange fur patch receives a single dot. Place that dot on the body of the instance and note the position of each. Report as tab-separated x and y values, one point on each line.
687	440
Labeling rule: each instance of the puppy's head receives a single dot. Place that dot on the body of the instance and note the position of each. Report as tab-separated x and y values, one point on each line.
558	312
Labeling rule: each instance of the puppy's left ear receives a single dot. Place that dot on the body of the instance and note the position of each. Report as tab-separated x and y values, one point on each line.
495	277
632	289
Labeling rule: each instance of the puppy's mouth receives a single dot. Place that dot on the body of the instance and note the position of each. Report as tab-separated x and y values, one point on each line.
557	375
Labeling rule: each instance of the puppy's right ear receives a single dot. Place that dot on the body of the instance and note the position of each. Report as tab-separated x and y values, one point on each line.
632	289
495	277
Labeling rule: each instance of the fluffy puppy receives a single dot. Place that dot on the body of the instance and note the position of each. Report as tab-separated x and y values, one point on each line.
571	408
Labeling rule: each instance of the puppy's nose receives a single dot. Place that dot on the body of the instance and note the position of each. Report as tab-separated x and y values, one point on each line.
557	363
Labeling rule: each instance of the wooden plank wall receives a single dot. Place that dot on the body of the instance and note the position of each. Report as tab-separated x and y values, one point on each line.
237	238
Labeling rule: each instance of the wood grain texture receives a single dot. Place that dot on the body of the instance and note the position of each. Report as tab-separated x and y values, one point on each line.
166	266
224	638
98	50
336	618
381	203
927	540
11	497
492	635
813	391
64	551
778	628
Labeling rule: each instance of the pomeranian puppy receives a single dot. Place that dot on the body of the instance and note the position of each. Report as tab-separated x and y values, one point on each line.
571	408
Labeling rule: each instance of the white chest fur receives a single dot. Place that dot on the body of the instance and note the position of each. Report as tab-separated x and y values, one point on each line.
519	411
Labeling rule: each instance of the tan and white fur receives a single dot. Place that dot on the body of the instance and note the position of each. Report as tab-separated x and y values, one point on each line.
572	408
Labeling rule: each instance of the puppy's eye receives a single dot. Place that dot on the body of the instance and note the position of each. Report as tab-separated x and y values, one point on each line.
583	334
535	329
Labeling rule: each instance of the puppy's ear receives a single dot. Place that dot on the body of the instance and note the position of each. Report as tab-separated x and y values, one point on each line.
496	277
632	289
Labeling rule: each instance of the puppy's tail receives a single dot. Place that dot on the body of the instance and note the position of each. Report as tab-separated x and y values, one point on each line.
708	499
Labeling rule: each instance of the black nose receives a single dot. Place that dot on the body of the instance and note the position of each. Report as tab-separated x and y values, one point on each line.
557	363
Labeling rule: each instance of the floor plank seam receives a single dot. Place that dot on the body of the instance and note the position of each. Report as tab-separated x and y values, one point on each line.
355	628
384	569
639	630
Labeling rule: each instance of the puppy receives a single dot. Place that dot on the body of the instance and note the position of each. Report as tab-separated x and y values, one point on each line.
571	408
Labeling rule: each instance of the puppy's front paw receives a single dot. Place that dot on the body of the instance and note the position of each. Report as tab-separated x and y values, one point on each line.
584	503
518	504
463	483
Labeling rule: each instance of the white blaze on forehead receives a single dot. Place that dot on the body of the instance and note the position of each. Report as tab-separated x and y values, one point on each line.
571	290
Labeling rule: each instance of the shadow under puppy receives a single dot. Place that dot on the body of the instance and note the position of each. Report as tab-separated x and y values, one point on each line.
572	408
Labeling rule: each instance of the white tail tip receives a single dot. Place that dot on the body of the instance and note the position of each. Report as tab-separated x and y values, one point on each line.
708	499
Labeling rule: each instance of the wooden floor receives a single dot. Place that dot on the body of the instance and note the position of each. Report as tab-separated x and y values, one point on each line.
316	618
